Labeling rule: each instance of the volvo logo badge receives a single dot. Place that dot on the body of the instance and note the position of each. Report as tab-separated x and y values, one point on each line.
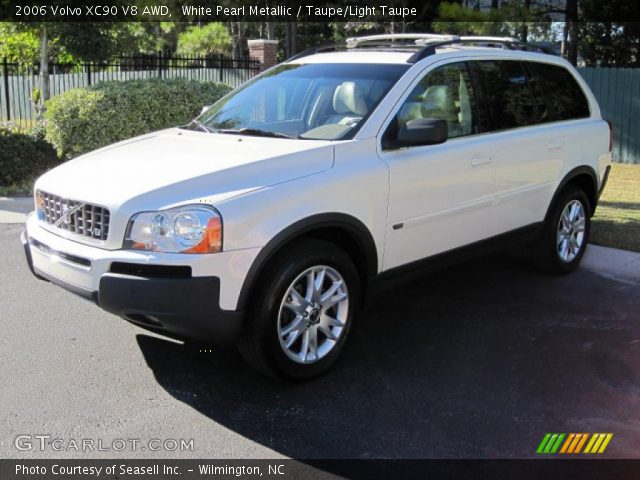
65	214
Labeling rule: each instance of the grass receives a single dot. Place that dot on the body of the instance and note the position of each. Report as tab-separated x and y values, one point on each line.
617	220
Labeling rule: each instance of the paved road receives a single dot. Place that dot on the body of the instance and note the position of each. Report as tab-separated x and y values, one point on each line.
477	361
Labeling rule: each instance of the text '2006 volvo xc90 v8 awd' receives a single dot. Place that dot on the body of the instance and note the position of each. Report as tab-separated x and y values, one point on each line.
264	221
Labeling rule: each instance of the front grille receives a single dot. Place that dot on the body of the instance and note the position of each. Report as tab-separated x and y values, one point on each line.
84	219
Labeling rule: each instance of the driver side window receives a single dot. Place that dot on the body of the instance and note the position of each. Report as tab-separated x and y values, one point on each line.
445	93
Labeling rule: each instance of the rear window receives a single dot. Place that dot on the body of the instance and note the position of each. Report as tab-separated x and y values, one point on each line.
507	94
561	98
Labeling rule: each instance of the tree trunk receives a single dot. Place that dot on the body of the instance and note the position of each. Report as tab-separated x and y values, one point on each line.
524	32
268	25
236	51
290	32
572	27
44	69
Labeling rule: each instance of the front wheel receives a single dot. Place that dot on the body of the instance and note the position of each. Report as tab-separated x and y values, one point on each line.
303	311
566	233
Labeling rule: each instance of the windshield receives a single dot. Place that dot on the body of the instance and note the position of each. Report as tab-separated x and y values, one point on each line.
308	101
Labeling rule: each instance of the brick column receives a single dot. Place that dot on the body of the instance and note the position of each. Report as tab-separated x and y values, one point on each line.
265	51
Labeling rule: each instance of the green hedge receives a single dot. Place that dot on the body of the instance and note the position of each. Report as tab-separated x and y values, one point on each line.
85	119
23	157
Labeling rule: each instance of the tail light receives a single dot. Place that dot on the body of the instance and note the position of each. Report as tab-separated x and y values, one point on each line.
610	137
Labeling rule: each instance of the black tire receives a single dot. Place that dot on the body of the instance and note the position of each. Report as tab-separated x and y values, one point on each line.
260	343
546	253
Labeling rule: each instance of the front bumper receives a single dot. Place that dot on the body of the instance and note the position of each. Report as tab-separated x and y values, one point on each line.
150	290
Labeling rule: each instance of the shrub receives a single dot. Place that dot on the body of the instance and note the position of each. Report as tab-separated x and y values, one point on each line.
85	119
23	157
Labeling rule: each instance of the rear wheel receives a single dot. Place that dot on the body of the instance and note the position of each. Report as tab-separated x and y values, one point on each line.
566	233
302	313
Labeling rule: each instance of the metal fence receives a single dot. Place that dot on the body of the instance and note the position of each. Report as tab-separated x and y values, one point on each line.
618	93
617	89
18	82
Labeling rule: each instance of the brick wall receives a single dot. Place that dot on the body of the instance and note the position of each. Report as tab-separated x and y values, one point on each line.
265	51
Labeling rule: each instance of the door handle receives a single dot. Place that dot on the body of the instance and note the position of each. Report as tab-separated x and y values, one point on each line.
480	160
555	144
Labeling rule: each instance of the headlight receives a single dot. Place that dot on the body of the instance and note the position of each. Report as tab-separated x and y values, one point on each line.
190	229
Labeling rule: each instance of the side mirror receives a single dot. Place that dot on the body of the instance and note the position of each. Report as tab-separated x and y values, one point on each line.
204	109
422	131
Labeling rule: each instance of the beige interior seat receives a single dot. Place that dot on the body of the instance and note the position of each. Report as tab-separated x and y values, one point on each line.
348	103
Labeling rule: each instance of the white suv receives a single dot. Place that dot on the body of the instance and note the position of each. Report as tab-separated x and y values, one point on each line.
265	220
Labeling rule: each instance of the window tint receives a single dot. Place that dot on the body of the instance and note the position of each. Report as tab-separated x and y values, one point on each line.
561	96
445	93
506	94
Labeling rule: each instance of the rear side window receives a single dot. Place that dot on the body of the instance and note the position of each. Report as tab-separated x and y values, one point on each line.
561	98
507	95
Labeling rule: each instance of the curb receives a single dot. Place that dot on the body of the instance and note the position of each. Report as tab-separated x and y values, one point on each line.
622	265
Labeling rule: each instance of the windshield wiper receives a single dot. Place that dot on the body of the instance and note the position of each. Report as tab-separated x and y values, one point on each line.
202	126
256	132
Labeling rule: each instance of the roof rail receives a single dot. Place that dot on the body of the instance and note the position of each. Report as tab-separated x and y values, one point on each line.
426	43
509	43
483	38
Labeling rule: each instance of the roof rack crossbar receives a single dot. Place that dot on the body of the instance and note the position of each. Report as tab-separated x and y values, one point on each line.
353	42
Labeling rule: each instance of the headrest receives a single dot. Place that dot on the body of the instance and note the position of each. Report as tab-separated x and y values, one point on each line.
347	99
437	97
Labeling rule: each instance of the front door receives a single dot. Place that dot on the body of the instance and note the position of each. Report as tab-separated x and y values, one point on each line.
440	195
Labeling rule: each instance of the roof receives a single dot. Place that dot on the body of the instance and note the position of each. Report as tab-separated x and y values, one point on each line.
410	48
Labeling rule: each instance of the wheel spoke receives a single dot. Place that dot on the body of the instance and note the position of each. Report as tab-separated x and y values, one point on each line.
296	297
317	290
334	322
579	225
304	349
564	249
574	211
310	285
292	338
313	342
330	291
297	309
295	325
575	247
330	302
327	332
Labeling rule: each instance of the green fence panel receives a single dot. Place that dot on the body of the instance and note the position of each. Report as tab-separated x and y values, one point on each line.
618	93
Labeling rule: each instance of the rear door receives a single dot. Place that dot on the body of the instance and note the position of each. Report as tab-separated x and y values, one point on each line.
528	156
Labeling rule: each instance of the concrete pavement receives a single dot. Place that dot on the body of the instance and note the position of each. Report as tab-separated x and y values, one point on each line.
14	209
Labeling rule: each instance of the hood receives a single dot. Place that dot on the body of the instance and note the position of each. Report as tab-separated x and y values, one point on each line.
176	166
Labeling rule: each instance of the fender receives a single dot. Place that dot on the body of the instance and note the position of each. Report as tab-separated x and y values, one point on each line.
355	227
593	198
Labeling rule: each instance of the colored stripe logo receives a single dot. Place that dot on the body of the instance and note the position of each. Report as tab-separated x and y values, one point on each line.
574	443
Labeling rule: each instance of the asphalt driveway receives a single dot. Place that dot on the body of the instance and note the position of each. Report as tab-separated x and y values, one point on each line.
479	360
